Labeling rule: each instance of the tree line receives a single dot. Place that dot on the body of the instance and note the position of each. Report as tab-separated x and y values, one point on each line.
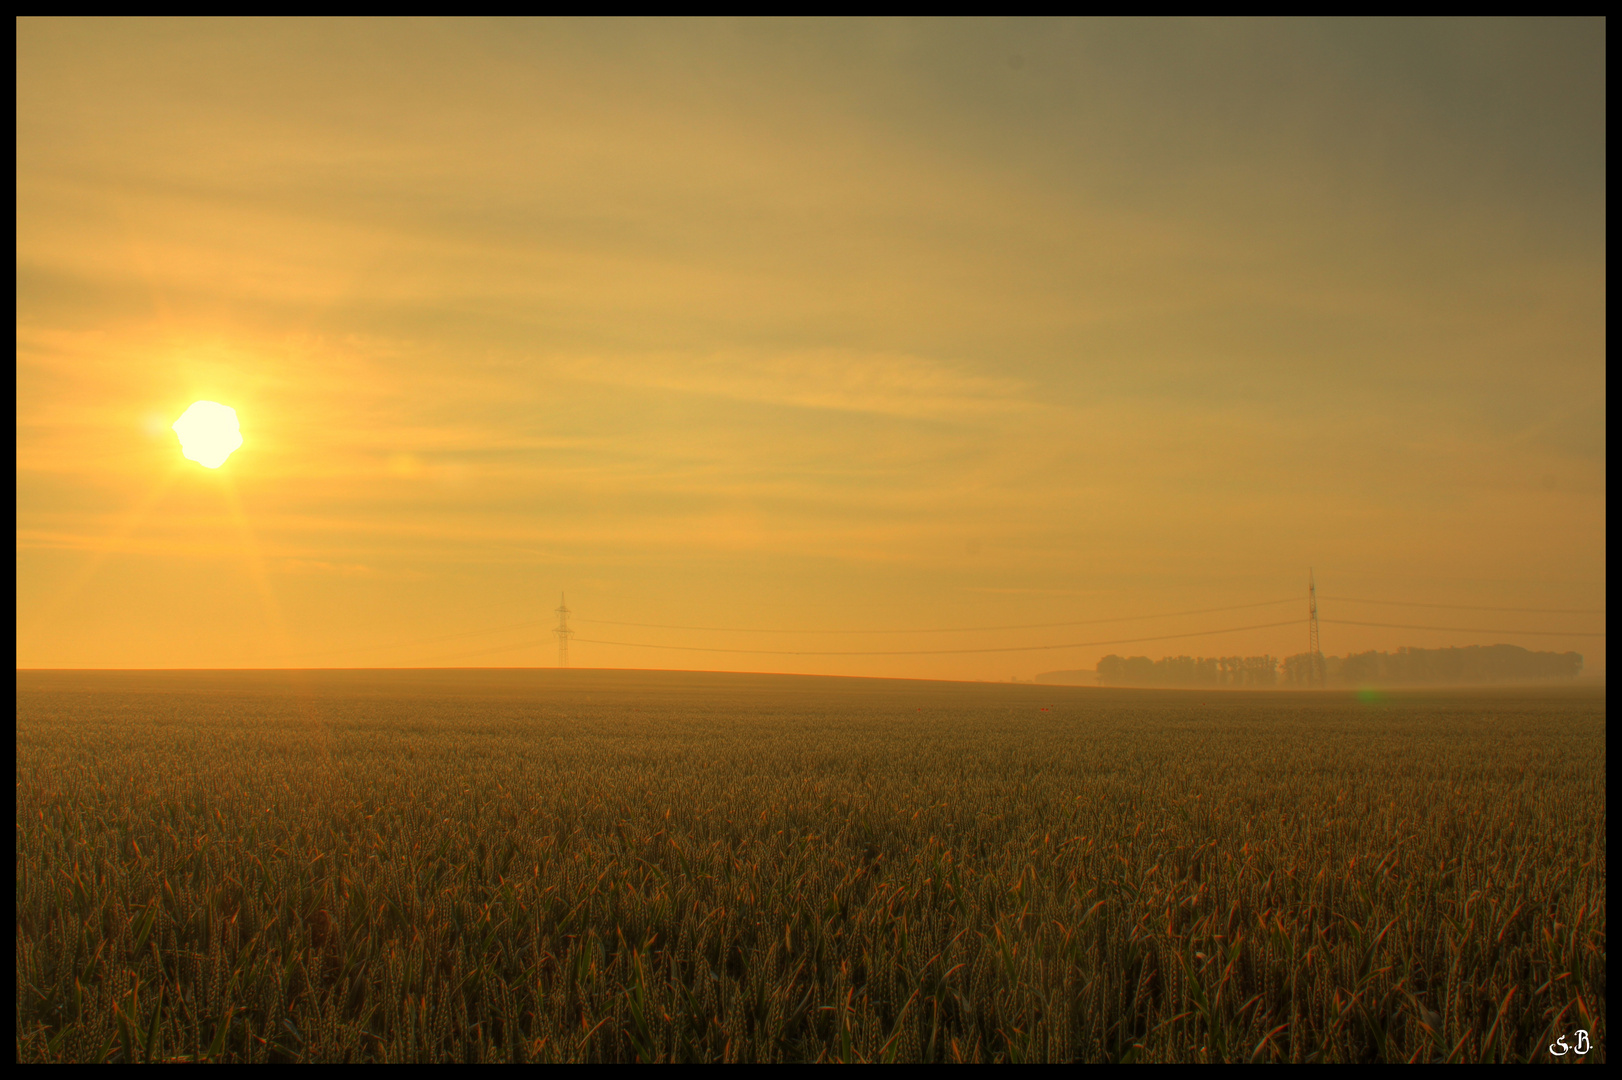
1188	671
1406	666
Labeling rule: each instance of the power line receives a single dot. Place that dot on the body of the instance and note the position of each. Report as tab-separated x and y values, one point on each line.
419	641
495	649
1021	648
1314	650
1014	648
967	629
562	631
753	630
948	629
941	652
1470	629
1470	607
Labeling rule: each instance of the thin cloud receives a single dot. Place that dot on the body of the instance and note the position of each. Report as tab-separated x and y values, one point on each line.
894	385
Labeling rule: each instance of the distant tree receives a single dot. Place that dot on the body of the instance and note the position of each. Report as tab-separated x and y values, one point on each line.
1410	666
1261	670
1188	671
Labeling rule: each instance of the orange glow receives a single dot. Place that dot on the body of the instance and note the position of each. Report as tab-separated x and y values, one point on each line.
836	335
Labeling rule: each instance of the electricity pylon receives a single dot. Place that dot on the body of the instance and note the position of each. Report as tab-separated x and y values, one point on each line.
564	633
1319	672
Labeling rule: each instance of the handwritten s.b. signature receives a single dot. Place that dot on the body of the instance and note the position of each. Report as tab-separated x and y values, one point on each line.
1559	1048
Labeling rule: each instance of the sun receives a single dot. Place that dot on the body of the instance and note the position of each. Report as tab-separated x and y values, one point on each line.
208	433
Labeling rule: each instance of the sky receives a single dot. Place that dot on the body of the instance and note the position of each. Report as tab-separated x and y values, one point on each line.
874	338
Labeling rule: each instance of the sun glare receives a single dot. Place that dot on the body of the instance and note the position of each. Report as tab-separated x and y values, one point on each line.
208	433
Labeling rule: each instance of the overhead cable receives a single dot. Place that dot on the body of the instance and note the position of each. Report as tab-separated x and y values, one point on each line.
1469	629
942	652
949	629
1470	607
421	641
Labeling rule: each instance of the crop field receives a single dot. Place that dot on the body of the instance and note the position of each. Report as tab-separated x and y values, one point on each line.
621	866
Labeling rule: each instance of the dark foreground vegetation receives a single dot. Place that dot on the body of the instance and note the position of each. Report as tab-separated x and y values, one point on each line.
596	866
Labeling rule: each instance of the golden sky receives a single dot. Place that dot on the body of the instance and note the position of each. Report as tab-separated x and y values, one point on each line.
807	326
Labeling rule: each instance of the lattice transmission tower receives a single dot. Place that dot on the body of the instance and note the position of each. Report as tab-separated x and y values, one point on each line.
1314	652
564	633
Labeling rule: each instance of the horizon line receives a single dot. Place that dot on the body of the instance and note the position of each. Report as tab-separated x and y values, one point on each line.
1030	681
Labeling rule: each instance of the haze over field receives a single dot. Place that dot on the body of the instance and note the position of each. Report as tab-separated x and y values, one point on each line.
808	326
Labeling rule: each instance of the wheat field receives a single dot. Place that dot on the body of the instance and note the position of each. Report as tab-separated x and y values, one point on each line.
625	866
